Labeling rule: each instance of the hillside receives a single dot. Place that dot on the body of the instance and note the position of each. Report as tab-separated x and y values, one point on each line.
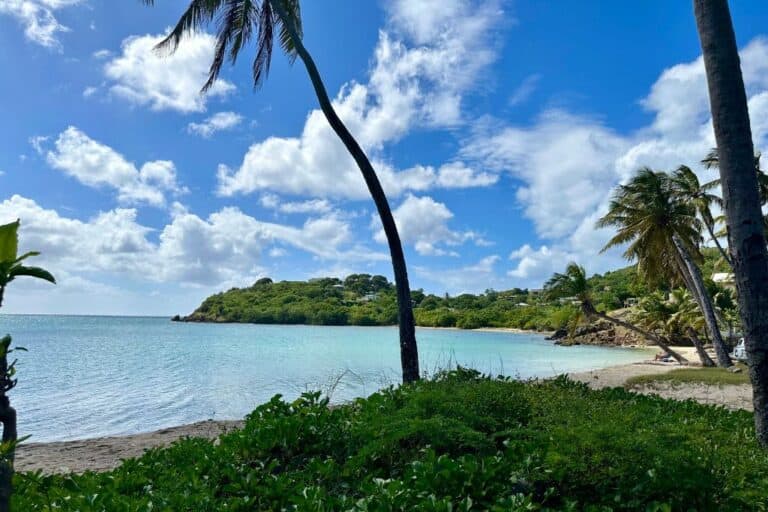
363	299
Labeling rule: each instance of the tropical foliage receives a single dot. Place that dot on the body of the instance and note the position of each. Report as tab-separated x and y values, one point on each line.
11	267
459	442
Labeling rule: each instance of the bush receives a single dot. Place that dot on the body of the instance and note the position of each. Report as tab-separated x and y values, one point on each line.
459	442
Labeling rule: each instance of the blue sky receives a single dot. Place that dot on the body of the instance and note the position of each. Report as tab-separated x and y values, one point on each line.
499	129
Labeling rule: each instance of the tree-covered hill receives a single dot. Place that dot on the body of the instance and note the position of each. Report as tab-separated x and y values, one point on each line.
363	299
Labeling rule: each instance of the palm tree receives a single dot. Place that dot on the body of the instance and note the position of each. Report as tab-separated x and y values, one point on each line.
11	267
744	218
663	235
688	188
675	317
574	283
712	161
239	22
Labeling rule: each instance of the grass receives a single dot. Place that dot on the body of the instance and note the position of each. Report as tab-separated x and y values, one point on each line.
710	376
459	442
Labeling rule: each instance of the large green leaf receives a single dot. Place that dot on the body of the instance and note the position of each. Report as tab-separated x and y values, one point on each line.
37	272
9	241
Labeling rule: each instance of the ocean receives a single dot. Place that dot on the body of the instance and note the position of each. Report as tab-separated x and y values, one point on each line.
90	376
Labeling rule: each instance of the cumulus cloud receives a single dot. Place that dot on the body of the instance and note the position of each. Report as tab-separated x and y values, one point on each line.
569	164
223	249
97	165
219	121
421	70
38	19
142	76
423	222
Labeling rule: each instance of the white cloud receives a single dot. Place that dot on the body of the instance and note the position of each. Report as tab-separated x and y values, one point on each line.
145	77
474	278
221	250
218	122
38	19
102	54
568	165
423	222
420	72
524	90
97	165
90	91
273	202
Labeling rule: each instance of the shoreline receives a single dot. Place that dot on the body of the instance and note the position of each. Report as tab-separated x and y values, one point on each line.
106	453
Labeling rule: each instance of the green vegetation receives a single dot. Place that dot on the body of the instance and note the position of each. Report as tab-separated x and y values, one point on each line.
459	442
712	376
11	267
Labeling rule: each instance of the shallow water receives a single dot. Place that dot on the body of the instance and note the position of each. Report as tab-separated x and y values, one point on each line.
95	376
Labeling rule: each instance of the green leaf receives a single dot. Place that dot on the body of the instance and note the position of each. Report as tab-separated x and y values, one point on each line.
26	255
37	272
9	241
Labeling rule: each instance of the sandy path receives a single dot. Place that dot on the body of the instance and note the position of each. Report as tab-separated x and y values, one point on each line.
103	453
729	396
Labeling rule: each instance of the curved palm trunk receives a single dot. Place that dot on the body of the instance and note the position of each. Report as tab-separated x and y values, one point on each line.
703	356
746	239
590	312
699	292
409	355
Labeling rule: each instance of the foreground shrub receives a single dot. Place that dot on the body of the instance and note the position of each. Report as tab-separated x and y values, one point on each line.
459	442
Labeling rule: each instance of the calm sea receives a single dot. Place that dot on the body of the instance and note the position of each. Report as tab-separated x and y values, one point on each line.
95	376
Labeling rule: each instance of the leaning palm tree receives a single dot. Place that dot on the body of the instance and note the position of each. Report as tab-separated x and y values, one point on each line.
662	232
241	21
688	188
574	283
11	267
744	217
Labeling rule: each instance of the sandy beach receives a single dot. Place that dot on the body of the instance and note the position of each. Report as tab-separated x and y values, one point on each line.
101	454
730	396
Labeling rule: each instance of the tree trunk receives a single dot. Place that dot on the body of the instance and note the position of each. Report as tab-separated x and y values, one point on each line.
8	419
591	312
720	248
703	356
409	355
744	219
699	291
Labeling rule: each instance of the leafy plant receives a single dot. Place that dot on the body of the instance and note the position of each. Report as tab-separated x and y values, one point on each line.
10	268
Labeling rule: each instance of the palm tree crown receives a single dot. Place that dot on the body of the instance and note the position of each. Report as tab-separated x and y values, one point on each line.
648	215
239	21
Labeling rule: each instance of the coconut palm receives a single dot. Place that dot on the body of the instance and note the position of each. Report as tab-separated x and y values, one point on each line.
662	233
712	161
11	267
574	283
744	217
262	21
675	317
687	186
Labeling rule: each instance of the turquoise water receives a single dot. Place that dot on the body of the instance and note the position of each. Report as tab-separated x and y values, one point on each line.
95	376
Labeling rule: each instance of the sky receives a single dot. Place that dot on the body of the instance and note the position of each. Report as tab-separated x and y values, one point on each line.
499	129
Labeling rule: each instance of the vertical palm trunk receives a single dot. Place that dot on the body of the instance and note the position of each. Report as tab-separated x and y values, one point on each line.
703	356
701	295
590	312
746	239
8	420
409	355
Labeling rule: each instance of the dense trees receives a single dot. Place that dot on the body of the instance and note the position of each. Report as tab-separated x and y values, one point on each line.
657	221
